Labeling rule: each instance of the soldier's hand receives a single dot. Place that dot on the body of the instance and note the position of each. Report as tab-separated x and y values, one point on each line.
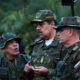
28	67
41	70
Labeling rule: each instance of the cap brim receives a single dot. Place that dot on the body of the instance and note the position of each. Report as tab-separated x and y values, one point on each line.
36	21
2	45
61	26
56	27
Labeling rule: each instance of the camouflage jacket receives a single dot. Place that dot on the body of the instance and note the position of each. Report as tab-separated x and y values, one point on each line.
69	67
46	56
13	70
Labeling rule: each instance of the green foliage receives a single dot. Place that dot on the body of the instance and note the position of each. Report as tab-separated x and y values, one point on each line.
16	15
6	6
53	5
77	7
19	23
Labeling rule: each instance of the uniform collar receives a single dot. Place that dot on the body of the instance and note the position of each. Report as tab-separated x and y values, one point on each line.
53	44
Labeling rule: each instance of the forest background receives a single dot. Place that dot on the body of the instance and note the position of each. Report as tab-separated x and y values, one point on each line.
15	16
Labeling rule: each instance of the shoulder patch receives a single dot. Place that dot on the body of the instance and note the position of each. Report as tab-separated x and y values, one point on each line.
77	65
38	42
75	48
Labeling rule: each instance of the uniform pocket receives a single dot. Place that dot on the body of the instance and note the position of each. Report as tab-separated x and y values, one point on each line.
4	73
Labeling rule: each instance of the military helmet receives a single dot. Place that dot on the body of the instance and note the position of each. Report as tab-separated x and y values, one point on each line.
71	21
43	15
7	37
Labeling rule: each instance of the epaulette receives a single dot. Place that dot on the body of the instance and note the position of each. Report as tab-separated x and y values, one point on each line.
71	51
39	41
76	50
75	47
35	44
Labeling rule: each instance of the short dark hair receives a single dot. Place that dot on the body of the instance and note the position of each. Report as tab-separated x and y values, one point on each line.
49	21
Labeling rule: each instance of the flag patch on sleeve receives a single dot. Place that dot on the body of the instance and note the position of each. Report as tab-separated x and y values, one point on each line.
77	65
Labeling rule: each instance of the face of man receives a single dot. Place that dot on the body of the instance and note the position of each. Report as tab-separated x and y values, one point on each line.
11	48
63	35
44	29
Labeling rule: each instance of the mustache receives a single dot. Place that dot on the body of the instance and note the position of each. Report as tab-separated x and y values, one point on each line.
38	31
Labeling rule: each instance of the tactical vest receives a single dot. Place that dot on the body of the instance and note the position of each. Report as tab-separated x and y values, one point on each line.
9	71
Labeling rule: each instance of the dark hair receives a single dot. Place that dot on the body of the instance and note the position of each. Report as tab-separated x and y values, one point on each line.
49	21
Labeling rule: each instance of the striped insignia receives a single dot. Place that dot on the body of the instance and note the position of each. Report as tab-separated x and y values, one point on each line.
77	65
42	59
37	20
49	17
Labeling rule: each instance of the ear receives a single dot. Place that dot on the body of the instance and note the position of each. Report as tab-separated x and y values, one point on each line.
52	23
71	31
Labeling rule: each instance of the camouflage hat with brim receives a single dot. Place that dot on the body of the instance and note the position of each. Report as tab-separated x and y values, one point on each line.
71	21
43	15
7	37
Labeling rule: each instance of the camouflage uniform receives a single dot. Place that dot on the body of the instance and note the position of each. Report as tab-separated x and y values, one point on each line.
12	70
46	56
69	67
43	55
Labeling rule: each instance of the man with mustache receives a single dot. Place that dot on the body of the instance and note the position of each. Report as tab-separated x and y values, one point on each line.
68	32
46	51
12	63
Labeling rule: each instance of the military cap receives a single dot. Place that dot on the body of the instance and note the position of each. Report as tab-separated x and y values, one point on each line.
43	15
7	37
71	21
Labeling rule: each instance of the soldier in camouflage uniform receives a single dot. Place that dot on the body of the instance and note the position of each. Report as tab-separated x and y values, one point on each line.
46	51
12	63
68	32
